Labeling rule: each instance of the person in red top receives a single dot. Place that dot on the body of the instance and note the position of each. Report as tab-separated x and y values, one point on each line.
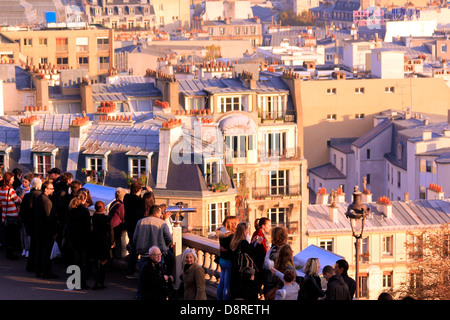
10	216
263	227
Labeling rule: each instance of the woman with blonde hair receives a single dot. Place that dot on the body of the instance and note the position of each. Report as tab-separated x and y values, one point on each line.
223	289
312	287
193	276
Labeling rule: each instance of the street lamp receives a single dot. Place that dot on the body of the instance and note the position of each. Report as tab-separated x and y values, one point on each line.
357	213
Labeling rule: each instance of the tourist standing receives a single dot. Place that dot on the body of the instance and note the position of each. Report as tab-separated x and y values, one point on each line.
10	216
77	235
26	214
226	255
134	209
193	276
341	268
117	214
312	287
337	289
279	236
151	231
101	243
154	281
46	228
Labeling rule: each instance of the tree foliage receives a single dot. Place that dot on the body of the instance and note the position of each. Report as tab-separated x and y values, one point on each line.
429	265
289	18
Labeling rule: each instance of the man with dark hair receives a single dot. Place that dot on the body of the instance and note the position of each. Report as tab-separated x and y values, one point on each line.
46	228
151	231
337	289
17	176
60	200
134	210
341	267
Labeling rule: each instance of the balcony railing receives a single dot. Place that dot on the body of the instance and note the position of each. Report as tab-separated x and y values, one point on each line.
84	48
62	48
103	66
275	192
279	154
277	116
102	47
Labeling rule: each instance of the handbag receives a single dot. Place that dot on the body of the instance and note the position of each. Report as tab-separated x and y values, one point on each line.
244	260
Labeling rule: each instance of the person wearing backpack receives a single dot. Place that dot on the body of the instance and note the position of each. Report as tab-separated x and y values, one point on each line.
243	254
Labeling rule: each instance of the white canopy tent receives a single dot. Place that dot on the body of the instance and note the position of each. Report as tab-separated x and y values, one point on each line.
312	251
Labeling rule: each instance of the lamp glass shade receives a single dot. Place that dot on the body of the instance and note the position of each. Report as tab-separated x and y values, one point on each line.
357	225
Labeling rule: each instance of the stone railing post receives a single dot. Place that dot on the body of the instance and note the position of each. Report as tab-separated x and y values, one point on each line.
177	252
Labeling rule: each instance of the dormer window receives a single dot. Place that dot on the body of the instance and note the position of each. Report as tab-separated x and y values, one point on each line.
194	103
227	104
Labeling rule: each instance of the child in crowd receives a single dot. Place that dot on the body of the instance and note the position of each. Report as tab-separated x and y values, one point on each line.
290	289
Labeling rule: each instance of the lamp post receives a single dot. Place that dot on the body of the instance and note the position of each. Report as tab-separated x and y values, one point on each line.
357	213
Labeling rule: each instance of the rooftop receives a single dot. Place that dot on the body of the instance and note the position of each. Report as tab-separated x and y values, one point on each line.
410	215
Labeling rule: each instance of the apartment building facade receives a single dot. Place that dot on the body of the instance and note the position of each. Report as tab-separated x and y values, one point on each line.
402	154
89	48
229	28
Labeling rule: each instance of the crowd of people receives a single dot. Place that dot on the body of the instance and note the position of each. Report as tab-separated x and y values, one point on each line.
39	214
261	266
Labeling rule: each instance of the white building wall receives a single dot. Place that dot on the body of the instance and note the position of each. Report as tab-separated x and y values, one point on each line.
409	28
242	10
387	64
214	10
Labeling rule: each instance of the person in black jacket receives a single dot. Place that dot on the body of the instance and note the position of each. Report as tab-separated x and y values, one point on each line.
26	213
312	288
101	244
61	199
154	280
239	243
134	211
77	235
337	289
341	267
46	229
